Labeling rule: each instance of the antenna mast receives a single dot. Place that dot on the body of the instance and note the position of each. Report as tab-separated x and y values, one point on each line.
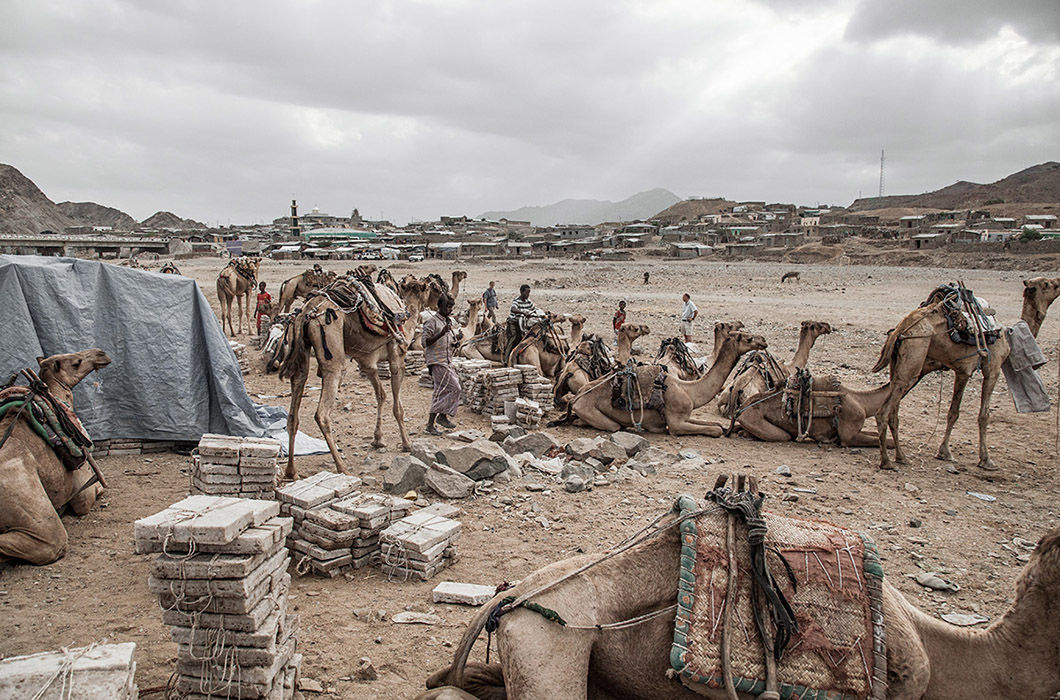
881	172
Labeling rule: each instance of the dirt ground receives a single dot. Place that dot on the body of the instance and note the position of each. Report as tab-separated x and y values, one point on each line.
100	589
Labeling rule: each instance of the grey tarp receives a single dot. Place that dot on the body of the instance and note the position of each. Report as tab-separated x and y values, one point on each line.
173	375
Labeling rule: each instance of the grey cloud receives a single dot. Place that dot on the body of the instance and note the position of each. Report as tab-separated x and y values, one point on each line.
955	21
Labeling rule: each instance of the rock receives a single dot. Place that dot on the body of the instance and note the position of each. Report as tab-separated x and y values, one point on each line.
575	483
915	523
600	480
415	618
505	477
426	451
596	464
982	496
963	620
502	433
930	579
911	488
481	459
641	467
688	454
630	442
537	443
658	458
514	470
448	483
580	448
365	670
406	473
694	463
790	498
784	470
627	473
462	593
535	487
552	466
579	469
309	685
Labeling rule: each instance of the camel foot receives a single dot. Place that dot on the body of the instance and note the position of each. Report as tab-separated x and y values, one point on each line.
291	475
888	467
987	465
406	447
944	454
378	444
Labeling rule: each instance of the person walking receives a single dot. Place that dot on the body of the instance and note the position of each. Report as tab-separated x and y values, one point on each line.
489	299
688	315
438	341
619	319
264	306
518	317
646	276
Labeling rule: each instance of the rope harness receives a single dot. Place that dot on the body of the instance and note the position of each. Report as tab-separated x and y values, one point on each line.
760	362
680	354
802	403
244	268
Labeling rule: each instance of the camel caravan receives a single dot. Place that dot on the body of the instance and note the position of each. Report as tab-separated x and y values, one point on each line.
716	597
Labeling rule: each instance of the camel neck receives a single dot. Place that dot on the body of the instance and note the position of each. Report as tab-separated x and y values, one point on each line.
802	353
1032	316
702	390
575	334
624	350
1014	658
60	391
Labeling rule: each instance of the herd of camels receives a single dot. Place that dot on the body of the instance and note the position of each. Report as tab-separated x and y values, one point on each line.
1017	656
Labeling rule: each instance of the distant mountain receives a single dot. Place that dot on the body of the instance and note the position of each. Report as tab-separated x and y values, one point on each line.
167	219
92	214
591	211
1036	184
24	209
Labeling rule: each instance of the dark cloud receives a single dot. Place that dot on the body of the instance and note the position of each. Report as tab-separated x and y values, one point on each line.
955	21
223	111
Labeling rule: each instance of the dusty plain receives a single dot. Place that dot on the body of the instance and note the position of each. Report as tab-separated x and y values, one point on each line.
99	590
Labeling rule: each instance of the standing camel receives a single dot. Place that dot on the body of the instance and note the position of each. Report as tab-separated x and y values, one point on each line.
1017	656
237	281
762	371
679	398
921	344
439	286
331	329
34	483
301	285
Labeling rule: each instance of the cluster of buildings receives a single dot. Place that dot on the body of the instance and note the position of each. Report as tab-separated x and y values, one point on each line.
731	229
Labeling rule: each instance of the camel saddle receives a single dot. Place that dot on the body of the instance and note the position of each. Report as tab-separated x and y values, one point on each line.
965	314
833	582
625	395
242	268
54	421
803	403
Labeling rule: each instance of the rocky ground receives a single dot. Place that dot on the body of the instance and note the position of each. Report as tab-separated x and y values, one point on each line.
923	516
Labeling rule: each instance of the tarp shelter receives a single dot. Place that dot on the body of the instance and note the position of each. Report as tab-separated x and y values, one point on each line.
173	375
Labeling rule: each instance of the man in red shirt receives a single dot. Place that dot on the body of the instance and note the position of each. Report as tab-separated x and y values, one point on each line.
619	319
264	306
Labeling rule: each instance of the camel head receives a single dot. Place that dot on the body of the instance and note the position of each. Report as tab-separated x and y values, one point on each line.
412	289
727	327
576	319
1041	292
459	275
632	331
745	342
71	368
474	308
816	328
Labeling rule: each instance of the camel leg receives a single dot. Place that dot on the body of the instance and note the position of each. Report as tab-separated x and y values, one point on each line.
960	380
82	503
239	312
380	396
759	427
39	536
590	415
905	373
397	378
685	427
298	381
329	389
990	375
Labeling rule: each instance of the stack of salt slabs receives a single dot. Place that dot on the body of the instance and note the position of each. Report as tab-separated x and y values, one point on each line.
221	579
524	412
233	466
420	545
322	538
502	385
101	671
414	361
374	512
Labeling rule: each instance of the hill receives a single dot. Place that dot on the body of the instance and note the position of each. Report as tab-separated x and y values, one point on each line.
24	209
1037	184
691	210
167	219
92	214
591	211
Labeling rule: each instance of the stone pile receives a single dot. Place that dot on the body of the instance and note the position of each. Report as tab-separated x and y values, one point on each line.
222	582
524	413
419	545
414	362
98	672
234	466
242	356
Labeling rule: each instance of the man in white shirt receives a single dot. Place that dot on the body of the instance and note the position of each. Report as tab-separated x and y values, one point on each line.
688	315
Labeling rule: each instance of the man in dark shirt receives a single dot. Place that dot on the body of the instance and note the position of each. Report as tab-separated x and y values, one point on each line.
489	298
520	313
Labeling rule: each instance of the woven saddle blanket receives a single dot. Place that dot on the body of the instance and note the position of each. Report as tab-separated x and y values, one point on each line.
55	423
839	652
964	313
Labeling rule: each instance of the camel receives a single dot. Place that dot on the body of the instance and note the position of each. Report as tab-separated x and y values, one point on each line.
589	360
237	281
1017	656
626	335
543	347
761	372
439	286
577	323
332	335
921	344
35	483
679	398
721	330
764	416
301	285
792	275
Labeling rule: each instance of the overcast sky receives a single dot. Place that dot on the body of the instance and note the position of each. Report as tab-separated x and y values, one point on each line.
222	111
